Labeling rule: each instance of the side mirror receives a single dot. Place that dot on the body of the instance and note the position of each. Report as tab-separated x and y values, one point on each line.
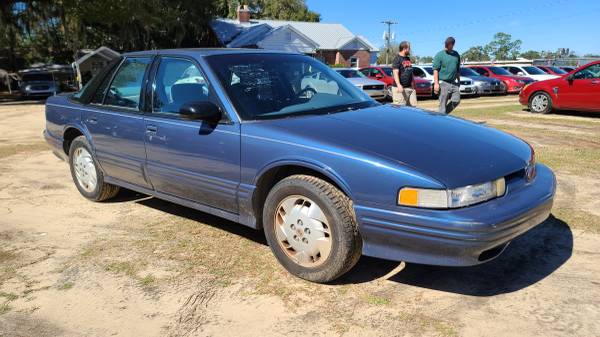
520	73
570	78
378	76
206	111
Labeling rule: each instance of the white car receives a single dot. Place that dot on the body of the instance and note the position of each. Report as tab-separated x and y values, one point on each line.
530	71
467	86
373	88
319	82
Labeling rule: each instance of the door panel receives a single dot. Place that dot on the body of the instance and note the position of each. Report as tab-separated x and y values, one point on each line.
118	128
583	91
194	160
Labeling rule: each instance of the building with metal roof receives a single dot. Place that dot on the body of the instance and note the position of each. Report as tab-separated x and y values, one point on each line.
331	42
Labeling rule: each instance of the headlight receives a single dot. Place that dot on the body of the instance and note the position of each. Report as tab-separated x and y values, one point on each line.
454	198
521	81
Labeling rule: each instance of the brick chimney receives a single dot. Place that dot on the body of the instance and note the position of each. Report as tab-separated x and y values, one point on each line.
243	14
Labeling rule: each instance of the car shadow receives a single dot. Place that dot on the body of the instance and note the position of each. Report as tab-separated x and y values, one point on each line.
202	218
528	259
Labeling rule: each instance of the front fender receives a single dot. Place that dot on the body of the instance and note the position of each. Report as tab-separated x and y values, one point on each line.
308	163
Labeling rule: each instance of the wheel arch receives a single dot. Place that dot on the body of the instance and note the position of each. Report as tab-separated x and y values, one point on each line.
275	172
542	90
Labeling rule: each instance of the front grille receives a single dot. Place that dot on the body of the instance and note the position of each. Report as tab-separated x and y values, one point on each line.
423	85
373	87
465	82
39	87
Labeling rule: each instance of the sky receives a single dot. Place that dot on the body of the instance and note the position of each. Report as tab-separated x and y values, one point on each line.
541	25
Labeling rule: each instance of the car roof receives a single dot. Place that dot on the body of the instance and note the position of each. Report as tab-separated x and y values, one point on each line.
202	52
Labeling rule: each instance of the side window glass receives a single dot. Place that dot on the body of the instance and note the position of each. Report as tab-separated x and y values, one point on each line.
177	82
592	71
514	70
102	88
418	72
375	72
125	89
366	72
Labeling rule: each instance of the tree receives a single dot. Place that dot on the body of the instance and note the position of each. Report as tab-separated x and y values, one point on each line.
503	47
292	10
531	55
476	53
386	55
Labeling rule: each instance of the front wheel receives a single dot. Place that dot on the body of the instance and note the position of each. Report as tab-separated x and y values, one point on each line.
311	228
88	178
540	102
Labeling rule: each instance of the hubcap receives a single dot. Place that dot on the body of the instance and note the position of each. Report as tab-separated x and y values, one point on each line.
85	170
302	231
539	103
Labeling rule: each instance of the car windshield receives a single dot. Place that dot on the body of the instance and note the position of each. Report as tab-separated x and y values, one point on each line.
429	70
267	86
534	71
350	73
37	77
468	72
499	71
387	71
557	70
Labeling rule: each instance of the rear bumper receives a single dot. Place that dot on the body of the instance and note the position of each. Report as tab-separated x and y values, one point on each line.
460	237
56	145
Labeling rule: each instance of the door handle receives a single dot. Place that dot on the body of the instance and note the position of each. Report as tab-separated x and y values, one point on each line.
151	129
595	82
92	120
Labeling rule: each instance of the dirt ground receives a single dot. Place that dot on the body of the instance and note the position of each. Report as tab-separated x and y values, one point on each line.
138	266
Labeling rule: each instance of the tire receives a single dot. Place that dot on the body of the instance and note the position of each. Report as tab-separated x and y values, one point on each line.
84	166
338	221
540	102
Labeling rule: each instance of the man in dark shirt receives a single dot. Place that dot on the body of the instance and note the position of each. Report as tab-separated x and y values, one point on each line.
403	91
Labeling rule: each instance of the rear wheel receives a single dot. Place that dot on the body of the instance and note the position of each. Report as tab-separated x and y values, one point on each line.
311	228
85	172
540	102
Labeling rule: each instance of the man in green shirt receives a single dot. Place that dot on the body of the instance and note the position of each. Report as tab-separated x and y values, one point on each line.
446	77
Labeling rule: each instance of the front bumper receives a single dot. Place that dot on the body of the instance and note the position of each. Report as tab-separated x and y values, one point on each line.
467	90
459	237
376	94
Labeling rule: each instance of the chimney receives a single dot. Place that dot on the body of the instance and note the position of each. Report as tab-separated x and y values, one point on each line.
243	14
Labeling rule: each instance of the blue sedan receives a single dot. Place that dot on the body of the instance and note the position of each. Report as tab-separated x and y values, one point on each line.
327	172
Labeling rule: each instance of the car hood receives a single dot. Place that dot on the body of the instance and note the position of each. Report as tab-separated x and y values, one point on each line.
543	77
363	81
451	150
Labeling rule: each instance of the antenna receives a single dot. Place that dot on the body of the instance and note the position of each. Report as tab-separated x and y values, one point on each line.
388	37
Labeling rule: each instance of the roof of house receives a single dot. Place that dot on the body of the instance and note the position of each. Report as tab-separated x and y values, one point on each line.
325	36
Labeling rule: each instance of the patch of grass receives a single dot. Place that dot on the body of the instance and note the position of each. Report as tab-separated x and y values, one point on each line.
4	308
147	280
65	286
122	267
578	219
479	113
8	296
10	150
377	300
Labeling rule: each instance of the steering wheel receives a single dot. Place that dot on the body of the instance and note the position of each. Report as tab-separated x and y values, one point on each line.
307	92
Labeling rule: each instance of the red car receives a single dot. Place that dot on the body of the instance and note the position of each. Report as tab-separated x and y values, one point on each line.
553	70
578	90
513	83
384	74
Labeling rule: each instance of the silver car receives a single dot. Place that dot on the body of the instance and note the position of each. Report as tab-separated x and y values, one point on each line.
373	88
485	85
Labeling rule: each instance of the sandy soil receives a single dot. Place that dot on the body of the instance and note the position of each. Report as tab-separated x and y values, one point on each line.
138	266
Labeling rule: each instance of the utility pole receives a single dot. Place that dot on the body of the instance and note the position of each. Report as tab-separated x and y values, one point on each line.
388	38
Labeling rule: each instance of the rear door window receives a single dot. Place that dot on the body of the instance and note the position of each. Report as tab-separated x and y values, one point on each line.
126	87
